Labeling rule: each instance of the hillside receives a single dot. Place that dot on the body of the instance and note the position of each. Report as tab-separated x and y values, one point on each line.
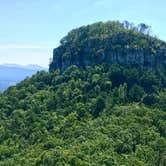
99	113
11	74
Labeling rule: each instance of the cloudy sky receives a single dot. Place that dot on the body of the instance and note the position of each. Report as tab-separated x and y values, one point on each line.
30	29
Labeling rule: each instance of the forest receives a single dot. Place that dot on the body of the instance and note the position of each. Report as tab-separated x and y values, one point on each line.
89	115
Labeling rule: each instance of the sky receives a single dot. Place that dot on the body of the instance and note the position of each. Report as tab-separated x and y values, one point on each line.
30	29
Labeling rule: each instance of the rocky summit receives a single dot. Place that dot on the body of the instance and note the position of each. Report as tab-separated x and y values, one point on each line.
110	43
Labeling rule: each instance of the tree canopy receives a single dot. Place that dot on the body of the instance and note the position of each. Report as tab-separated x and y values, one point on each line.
104	114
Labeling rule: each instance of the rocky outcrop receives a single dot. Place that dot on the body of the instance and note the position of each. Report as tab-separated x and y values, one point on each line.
64	57
108	43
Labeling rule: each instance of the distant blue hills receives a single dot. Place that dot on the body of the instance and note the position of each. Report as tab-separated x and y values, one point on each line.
11	74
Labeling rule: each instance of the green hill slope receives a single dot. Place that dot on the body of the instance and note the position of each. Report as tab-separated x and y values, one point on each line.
99	114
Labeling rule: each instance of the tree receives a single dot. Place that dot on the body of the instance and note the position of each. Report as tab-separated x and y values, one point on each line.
122	93
99	106
143	28
136	93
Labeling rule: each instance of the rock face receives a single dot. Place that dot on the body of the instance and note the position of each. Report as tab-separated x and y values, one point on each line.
134	57
126	47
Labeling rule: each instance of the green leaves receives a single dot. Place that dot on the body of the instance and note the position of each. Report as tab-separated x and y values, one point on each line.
91	116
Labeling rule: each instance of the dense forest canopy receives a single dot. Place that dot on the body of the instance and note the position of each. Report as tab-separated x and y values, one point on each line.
96	114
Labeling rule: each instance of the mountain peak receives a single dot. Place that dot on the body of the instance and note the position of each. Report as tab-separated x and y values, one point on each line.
111	43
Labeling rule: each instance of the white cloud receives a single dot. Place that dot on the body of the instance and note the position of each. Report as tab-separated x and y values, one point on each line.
25	56
26	53
25	46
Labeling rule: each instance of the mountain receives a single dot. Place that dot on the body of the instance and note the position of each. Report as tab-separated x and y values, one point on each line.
110	43
88	110
10	74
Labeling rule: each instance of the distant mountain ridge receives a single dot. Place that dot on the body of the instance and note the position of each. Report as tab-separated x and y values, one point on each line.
30	66
11	74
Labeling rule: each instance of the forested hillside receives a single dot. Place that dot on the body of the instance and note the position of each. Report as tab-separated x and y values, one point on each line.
103	113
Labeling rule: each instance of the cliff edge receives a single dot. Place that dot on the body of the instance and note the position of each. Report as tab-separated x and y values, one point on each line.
110	43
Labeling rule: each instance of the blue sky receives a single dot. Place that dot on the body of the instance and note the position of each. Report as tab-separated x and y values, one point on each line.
30	29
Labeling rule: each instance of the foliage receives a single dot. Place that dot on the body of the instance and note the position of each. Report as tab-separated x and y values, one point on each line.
97	115
83	117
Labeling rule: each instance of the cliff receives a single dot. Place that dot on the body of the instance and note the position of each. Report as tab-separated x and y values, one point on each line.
108	43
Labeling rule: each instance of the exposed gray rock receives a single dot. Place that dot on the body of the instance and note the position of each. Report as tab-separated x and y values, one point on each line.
109	43
64	57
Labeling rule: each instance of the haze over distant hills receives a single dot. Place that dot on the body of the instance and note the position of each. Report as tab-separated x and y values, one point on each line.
10	74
